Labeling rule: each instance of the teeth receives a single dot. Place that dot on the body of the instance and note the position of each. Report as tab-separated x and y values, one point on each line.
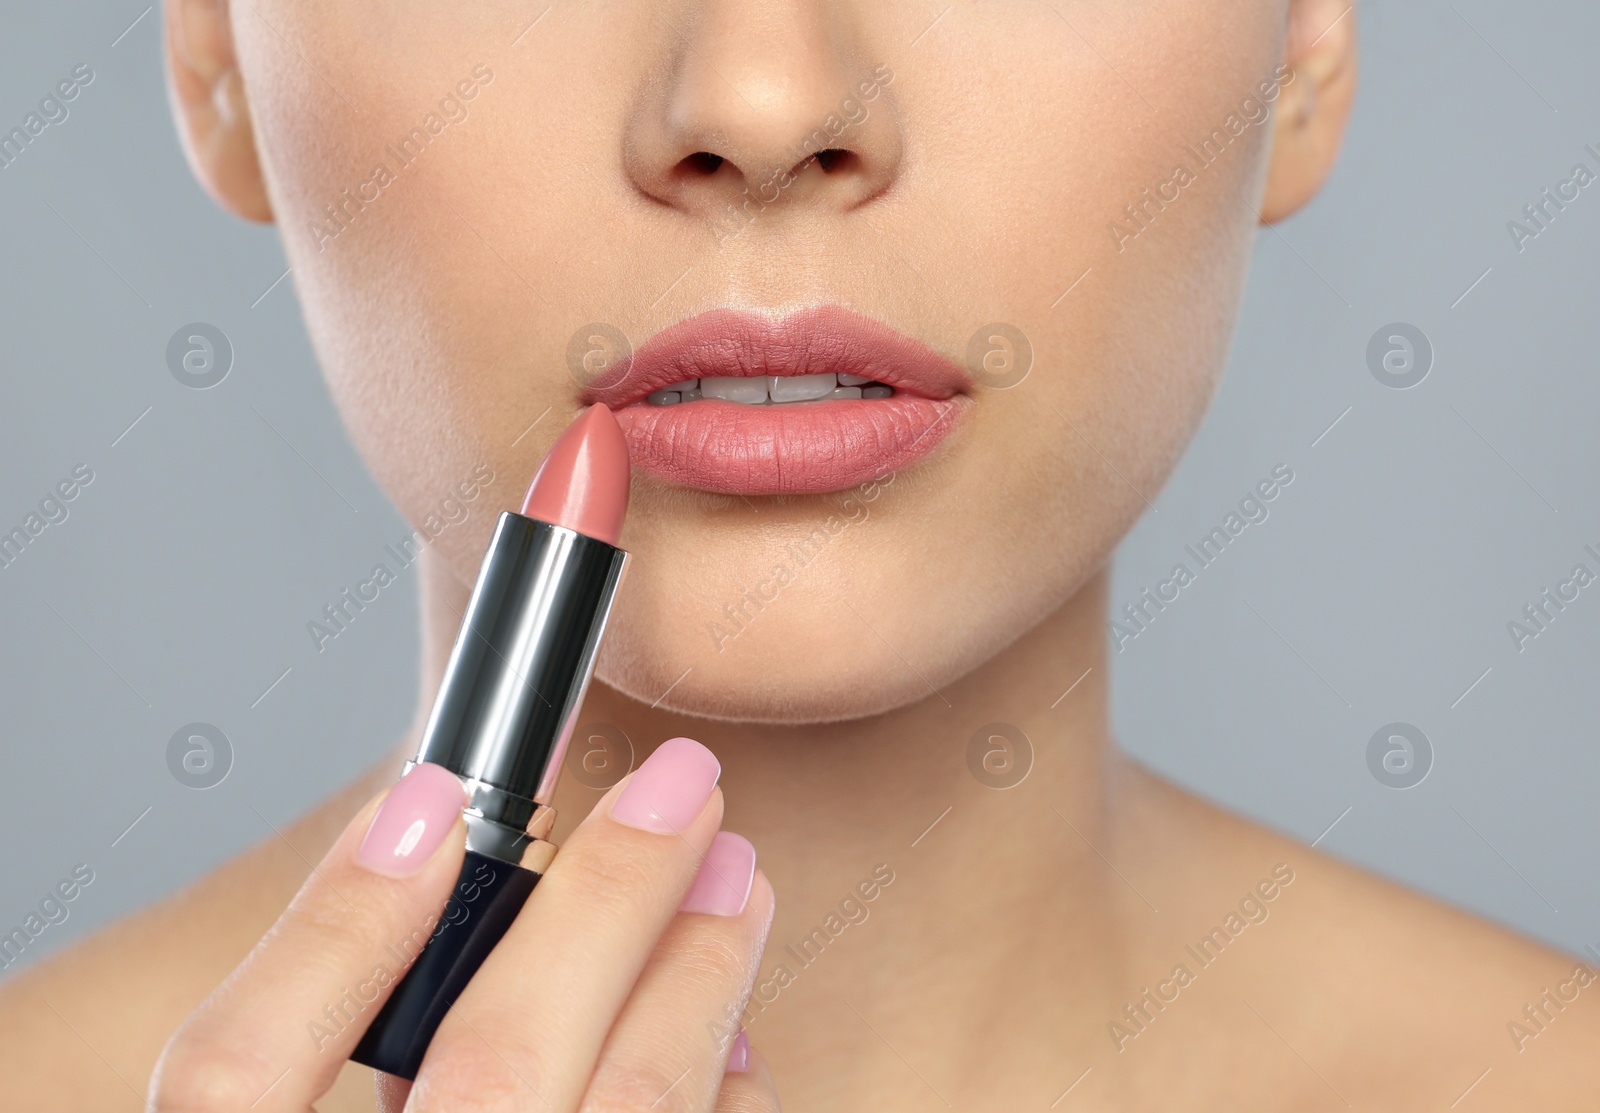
769	389
801	388
752	392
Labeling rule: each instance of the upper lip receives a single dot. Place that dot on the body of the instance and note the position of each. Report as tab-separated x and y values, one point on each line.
738	343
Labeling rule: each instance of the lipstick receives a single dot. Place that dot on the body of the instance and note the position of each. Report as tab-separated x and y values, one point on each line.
505	711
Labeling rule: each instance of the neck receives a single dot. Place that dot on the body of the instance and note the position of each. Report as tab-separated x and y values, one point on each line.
996	890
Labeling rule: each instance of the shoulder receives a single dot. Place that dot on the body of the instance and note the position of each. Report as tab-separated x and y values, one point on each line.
1410	1001
82	1028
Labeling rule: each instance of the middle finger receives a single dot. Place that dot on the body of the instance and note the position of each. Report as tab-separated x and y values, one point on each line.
669	1047
536	1014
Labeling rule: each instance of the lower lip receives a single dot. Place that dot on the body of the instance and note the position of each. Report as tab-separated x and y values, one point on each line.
801	448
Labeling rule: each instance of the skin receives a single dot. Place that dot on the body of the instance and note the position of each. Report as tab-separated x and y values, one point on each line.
1024	922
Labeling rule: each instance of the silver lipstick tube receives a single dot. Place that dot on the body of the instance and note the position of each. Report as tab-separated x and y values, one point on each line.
517	675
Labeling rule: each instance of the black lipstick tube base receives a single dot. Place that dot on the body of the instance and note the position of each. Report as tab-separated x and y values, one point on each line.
487	897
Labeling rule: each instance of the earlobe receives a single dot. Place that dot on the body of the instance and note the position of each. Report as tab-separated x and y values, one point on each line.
212	113
1314	107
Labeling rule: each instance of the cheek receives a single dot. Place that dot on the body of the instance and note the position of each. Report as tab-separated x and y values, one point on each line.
431	291
1129	334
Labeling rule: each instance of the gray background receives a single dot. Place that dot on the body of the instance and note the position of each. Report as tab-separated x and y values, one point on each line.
1378	590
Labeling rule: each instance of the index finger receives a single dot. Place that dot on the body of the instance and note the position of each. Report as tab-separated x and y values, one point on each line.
274	1035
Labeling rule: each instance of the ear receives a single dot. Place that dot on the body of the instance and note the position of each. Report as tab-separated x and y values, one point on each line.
208	100
1313	107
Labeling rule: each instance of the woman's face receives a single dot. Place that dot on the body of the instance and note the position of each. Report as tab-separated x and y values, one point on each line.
479	205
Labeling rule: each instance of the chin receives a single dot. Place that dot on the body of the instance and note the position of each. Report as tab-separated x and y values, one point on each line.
815	664
836	699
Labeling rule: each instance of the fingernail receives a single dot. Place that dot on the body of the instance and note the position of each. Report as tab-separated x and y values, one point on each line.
722	886
739	1053
412	821
669	789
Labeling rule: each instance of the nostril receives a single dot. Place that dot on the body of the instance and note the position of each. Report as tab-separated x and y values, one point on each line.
702	162
705	170
834	159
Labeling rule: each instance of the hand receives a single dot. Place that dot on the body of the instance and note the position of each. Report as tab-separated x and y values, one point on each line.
619	986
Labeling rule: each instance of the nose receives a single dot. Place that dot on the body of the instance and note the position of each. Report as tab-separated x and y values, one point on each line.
763	105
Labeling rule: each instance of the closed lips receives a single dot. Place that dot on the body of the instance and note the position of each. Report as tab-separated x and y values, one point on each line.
745	403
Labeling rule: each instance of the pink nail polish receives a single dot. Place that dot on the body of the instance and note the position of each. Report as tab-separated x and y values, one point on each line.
412	821
722	887
739	1053
670	789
